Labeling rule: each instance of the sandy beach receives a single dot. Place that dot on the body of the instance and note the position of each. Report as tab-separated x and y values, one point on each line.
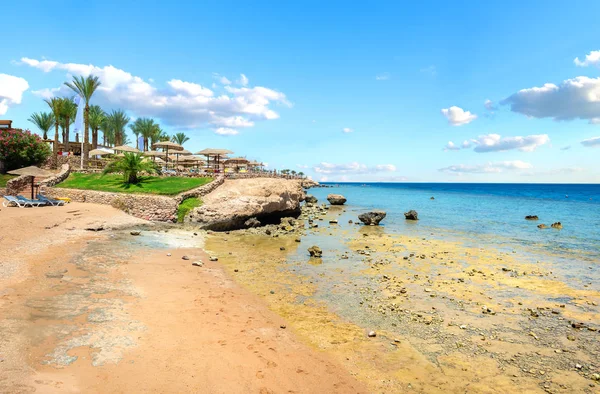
82	312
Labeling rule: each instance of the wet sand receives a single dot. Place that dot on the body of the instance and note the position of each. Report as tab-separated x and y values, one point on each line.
85	311
448	317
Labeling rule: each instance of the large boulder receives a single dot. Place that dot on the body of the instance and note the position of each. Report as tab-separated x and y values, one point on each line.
310	199
372	218
336	199
308	183
411	215
232	204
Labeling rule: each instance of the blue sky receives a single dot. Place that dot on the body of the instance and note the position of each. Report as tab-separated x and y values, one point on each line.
337	90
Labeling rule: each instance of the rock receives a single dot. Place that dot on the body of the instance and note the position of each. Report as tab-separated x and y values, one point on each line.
372	334
336	199
197	264
213	258
432	198
333	221
308	183
135	233
185	258
542	226
94	227
349	221
372	218
310	199
315	251
411	215
252	222
531	217
298	240
282	248
556	225
229	206
168	254
283	326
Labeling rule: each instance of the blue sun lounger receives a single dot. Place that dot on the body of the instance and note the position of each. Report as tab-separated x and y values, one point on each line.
12	201
50	201
33	203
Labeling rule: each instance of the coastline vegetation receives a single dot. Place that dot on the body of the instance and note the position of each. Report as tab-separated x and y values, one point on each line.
186	206
167	186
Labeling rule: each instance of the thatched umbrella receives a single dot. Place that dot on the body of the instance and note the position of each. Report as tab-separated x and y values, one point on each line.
154	154
126	148
34	172
166	145
217	153
99	152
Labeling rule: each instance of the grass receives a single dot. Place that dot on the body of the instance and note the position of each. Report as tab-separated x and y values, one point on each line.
187	205
167	186
5	178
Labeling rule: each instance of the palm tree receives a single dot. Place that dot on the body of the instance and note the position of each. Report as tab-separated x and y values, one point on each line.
55	104
107	131
146	128
68	113
180	138
135	129
131	164
301	174
159	135
85	88
43	121
118	120
97	117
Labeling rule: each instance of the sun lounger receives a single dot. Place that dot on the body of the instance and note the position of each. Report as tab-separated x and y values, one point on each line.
50	201
12	201
33	203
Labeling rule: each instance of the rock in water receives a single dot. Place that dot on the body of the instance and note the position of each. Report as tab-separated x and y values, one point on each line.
372	218
531	217
252	222
134	232
542	226
315	251
336	199
556	225
310	199
411	215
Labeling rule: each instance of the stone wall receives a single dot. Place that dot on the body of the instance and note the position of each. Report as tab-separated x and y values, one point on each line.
202	190
58	178
144	206
3	191
15	185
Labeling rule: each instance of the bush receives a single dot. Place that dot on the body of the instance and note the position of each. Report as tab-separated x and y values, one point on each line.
21	148
186	206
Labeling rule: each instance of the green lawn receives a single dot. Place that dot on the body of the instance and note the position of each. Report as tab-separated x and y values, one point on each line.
187	205
5	178
114	183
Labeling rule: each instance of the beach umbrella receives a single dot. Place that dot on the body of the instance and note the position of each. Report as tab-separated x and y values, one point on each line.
34	172
99	152
166	145
154	154
126	148
217	153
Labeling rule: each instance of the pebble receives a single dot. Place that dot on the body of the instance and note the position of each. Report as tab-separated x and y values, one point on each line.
168	254
197	264
283	326
236	270
463	327
212	258
282	248
134	233
185	258
372	334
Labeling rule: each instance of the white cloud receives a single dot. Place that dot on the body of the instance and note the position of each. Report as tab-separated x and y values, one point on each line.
489	105
182	104
457	116
466	144
11	91
450	146
577	98
591	142
226	131
591	59
382	77
347	130
222	80
243	80
487	168
352	168
495	143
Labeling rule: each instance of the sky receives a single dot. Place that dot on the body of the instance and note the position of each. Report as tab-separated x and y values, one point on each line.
496	91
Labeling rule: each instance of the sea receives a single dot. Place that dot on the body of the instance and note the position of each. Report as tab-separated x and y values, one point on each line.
487	213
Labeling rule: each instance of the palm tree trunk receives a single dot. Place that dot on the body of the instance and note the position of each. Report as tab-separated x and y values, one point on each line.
55	145
67	147
103	138
86	135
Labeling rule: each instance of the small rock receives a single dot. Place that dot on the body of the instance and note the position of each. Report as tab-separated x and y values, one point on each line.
531	217
411	215
372	334
542	226
197	264
282	248
333	221
213	258
315	251
168	254
94	227
336	199
272	292
135	233
463	327
185	258
310	199
236	270
372	218
252	222
283	326
556	225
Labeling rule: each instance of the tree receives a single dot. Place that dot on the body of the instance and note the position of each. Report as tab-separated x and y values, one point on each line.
21	148
146	128
108	133
131	164
67	116
43	121
55	104
293	172
301	174
159	135
180	138
97	117
85	88
117	121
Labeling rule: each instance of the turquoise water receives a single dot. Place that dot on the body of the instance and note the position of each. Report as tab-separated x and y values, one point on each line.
487	213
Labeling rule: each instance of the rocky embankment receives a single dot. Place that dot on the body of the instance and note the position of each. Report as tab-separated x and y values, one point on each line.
242	203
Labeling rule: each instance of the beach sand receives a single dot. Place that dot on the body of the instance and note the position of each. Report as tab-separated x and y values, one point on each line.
80	311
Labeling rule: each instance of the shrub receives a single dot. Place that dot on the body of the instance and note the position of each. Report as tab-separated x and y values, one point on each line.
21	148
186	206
